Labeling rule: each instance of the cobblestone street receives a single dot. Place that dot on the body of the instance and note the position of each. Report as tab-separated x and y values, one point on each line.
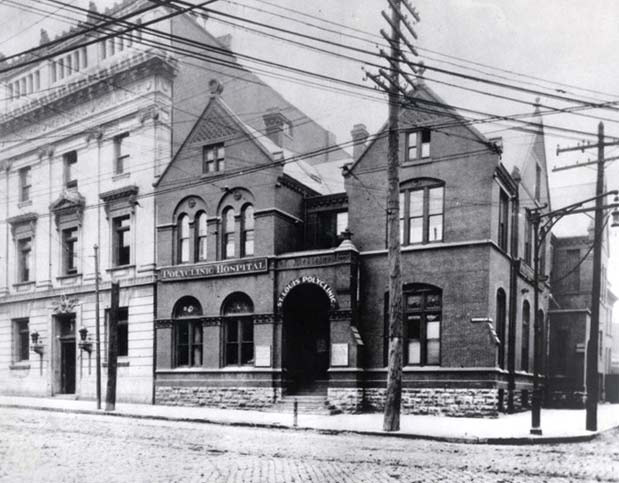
49	446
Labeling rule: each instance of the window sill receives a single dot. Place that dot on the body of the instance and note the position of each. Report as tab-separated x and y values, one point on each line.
20	366
121	176
415	162
119	268
69	276
208	175
24	204
24	284
120	363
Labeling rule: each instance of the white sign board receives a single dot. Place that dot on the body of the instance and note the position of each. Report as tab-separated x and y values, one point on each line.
339	355
263	356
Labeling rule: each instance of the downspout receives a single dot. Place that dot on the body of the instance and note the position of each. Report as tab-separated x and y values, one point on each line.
513	302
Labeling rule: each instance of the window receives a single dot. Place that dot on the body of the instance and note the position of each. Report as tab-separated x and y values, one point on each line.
24	256
500	325
69	251
188	335
538	182
103	50
84	57
341	222
122	330
22	340
60	65
37	80
201	237
213	158
418	144
528	236
239	330
526	318
323	228
70	162
183	239
421	215
247	231
503	220
121	240
69	65
571	271
228	231
120	155
25	183
422	319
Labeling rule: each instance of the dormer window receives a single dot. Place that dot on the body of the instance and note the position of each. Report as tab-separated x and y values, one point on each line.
213	158
418	144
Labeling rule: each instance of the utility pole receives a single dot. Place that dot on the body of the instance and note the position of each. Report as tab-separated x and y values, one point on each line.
593	346
112	350
97	330
389	82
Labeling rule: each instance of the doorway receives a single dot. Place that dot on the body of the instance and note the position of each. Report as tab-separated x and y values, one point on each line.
66	340
306	340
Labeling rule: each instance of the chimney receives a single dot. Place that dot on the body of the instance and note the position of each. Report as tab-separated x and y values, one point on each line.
44	39
359	135
275	124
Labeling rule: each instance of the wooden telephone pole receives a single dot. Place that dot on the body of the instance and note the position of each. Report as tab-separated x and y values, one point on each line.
389	82
593	344
112	349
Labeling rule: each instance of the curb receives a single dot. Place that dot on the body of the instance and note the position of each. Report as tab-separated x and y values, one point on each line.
515	441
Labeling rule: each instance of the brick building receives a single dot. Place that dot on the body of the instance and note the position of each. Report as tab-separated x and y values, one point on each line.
261	295
570	318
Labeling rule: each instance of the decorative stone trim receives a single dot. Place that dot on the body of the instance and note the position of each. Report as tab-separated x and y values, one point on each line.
260	319
338	199
219	397
340	315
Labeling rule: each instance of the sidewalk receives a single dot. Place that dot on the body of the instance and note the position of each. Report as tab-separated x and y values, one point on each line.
558	425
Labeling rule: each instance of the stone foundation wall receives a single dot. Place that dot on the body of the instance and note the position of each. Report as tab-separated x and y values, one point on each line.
440	401
219	397
348	400
566	399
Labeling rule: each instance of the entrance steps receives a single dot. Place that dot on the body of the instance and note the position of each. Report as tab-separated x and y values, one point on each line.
306	404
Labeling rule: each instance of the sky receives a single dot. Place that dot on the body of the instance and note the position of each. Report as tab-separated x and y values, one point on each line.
560	47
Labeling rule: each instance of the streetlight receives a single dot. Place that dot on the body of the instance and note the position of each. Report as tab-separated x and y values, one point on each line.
542	225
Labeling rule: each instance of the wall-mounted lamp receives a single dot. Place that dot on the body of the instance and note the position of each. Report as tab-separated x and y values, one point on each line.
85	344
37	344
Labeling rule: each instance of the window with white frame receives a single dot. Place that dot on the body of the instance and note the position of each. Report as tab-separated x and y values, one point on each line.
421	213
418	144
21	339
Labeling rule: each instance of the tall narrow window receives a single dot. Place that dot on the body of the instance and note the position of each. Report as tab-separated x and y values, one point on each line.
76	60
70	163
84	57
239	330
528	235
526	319
123	331
25	183
22	340
201	237
503	219
188	335
69	251
103	49
122	240
60	65
247	231
421	217
121	156
422	316
213	158
228	233
30	83
183	239
538	182
24	255
37	81
501	325
52	70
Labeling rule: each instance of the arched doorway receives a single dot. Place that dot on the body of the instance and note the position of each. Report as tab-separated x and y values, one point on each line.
306	339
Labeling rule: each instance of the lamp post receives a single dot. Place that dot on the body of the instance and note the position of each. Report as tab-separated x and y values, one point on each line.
542	225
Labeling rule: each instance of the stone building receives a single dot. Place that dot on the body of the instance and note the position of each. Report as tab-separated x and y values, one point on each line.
262	292
570	319
84	134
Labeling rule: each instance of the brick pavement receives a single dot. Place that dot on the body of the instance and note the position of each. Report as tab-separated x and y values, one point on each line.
47	446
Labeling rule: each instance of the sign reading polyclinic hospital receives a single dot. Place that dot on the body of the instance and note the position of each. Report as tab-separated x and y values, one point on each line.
307	279
214	270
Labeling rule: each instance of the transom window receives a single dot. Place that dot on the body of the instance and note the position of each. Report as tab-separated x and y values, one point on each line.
421	215
213	158
418	144
422	318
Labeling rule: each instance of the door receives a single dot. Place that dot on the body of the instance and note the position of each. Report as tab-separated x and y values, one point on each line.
67	366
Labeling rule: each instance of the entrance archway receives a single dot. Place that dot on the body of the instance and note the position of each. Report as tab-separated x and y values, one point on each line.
306	339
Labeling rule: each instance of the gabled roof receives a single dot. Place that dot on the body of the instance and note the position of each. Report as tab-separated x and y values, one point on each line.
426	98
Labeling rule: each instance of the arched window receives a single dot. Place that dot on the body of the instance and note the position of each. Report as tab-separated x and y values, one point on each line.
422	319
526	324
228	233
183	239
237	310
247	231
187	332
500	325
201	240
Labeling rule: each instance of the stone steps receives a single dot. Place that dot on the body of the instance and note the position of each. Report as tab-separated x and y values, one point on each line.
306	404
